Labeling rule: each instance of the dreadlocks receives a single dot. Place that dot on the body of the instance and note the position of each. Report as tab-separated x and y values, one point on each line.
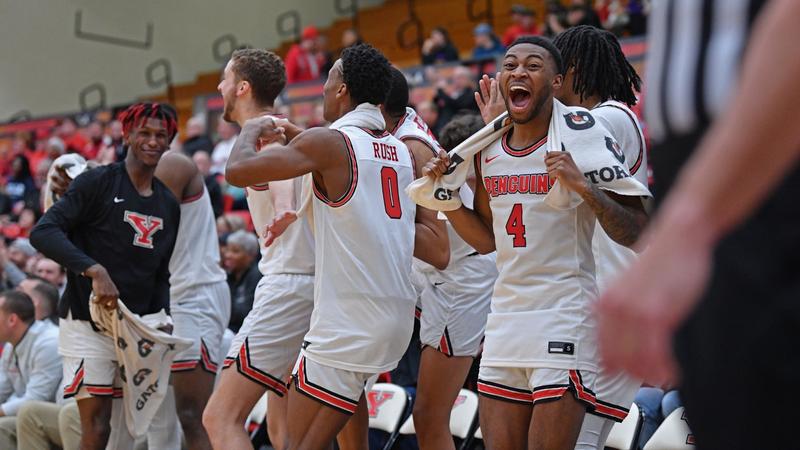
142	111
600	66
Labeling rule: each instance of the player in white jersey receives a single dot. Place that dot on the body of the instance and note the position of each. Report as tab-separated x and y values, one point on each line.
364	242
599	78
268	342
199	300
454	300
540	343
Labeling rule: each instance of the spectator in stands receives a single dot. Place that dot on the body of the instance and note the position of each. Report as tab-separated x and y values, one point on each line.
203	162
487	45
636	12
458	95
20	251
524	24
30	366
20	186
26	220
10	274
55	147
581	12
324	56
303	61
94	133
229	223
227	133
196	137
429	113
74	141
556	21
52	272
44	296
40	176
241	263
438	48
39	153
656	404
113	147
350	37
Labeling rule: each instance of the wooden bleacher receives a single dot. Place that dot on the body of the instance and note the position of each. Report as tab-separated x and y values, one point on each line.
378	25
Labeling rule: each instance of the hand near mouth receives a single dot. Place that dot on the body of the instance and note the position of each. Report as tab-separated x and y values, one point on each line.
489	100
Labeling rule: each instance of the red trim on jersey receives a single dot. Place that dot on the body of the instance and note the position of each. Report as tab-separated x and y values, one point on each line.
548	393
245	368
501	392
321	394
418	139
581	392
77	381
192	198
209	365
523	152
445	346
228	362
99	390
259	187
399	123
610	411
353	178
375	133
117	392
184	365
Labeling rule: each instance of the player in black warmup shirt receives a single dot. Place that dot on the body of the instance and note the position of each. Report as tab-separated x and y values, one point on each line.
115	230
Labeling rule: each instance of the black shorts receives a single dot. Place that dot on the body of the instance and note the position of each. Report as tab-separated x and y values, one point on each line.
740	349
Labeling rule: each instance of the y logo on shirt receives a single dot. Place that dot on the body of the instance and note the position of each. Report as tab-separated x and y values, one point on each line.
144	227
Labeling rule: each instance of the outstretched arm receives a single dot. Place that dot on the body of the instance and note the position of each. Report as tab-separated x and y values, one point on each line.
474	226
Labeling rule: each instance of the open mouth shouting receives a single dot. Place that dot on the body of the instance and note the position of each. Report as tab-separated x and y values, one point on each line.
519	97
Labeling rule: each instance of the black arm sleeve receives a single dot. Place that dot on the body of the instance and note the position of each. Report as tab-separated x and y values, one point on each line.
49	236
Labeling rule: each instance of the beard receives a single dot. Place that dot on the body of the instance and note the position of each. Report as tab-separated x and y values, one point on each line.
227	109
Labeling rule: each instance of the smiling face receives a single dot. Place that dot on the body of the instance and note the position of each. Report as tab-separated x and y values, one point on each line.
148	140
527	81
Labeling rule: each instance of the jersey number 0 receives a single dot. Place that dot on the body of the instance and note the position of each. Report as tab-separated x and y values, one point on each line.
391	192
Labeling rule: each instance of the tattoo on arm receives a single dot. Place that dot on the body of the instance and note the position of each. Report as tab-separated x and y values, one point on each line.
622	217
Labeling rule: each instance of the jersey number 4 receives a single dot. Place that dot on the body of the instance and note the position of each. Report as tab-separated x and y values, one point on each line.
391	192
516	227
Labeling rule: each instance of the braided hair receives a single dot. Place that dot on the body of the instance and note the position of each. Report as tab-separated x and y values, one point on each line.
143	111
600	66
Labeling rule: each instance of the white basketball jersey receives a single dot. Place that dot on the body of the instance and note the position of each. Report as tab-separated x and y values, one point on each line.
610	257
411	126
195	259
363	300
541	313
293	251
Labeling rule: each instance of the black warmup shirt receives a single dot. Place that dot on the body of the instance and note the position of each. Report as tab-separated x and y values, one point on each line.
103	219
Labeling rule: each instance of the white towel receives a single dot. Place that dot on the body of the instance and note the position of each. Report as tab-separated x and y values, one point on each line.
73	163
366	115
145	355
571	128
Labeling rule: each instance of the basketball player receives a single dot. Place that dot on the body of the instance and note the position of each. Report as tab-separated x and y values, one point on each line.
114	230
539	363
454	300
599	78
364	240
266	346
199	299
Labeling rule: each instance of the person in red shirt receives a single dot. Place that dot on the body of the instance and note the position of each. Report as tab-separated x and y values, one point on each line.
303	61
524	24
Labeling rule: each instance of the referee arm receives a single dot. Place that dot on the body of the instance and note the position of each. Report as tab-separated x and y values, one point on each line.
748	151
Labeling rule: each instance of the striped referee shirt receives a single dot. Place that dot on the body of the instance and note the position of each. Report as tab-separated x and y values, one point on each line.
694	54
